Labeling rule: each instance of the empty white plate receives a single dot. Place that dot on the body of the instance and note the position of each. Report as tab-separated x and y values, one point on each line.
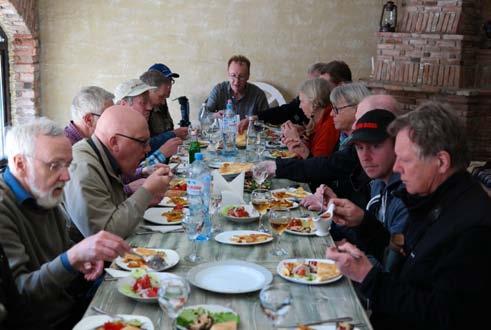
232	276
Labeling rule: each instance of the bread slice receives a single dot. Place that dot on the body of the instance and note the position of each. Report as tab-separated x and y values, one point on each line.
229	325
326	271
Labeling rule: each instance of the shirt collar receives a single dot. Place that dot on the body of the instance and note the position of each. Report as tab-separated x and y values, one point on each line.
231	93
21	195
72	132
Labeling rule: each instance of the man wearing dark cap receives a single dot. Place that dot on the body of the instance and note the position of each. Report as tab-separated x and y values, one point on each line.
160	119
385	213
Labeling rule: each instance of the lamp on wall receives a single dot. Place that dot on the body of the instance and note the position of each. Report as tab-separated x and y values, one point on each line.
388	19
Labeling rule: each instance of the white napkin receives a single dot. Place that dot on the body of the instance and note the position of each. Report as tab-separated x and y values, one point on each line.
232	192
162	229
117	273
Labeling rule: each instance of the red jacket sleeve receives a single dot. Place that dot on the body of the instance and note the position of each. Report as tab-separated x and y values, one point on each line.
325	136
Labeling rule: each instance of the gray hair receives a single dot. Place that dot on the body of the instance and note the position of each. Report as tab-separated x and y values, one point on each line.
319	67
154	78
21	139
435	127
89	99
317	91
352	93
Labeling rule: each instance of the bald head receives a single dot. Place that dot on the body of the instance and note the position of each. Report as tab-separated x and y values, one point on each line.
120	120
380	101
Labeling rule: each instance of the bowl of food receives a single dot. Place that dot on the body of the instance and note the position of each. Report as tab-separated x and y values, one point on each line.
240	213
207	317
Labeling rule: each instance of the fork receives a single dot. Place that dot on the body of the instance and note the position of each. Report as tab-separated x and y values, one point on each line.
103	312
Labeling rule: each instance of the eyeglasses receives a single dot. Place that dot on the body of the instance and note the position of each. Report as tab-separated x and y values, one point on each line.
56	166
337	110
95	114
235	77
143	143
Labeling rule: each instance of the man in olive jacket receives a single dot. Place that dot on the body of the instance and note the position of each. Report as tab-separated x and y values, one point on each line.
94	197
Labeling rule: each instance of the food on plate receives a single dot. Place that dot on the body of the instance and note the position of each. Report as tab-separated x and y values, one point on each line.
272	134
139	257
175	193
238	212
203	144
298	192
121	325
280	194
339	326
179	184
234	168
250	238
146	286
178	201
301	225
280	203
282	154
174	215
202	319
250	185
310	270
240	140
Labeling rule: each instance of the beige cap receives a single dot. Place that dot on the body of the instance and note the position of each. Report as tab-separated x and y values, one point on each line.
132	87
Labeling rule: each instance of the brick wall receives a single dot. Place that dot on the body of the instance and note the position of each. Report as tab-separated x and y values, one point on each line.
19	21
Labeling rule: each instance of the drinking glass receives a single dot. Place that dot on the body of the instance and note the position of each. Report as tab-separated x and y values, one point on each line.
172	296
193	226
275	302
260	147
215	204
215	137
279	217
260	173
260	200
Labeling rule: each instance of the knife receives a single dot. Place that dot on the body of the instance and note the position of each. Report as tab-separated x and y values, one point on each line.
333	320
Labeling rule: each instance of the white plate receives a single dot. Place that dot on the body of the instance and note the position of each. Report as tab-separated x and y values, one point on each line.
171	258
312	233
215	164
254	215
154	215
289	190
273	145
126	283
209	308
303	281
226	236
94	321
232	276
268	154
295	205
166	201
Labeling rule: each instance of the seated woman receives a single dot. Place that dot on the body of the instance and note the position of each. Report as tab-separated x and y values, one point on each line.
320	137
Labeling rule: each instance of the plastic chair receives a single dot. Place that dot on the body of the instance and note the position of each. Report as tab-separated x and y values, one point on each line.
272	93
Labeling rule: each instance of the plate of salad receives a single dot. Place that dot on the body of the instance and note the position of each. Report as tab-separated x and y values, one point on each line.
123	322
207	317
141	285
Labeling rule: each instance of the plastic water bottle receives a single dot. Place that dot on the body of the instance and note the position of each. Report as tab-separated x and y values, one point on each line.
198	191
229	131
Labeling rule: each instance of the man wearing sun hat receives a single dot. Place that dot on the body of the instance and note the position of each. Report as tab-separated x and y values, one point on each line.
385	214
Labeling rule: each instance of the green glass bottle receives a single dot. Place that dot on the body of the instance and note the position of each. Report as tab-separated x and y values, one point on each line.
193	148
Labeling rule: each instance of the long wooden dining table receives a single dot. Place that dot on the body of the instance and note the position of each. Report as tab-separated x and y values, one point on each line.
310	302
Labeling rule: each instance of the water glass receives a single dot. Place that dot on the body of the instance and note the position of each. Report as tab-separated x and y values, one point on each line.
215	204
279	218
260	173
172	296
260	199
276	300
193	226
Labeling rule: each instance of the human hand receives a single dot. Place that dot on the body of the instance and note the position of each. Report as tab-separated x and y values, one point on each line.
289	131
147	170
158	182
347	213
218	114
86	255
298	147
181	132
352	262
92	270
135	185
243	125
270	167
169	148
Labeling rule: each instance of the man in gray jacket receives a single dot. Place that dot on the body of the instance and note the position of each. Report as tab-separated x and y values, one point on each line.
46	267
94	197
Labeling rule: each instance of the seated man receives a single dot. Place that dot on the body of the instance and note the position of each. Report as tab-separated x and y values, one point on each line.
87	106
95	198
134	94
45	265
375	150
444	279
160	121
247	99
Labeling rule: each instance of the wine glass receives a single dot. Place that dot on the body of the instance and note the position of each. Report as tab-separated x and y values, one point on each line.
260	146
260	173
275	302
260	200
193	224
172	296
279	217
215	203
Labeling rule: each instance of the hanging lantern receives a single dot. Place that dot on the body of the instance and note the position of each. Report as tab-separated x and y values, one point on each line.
388	19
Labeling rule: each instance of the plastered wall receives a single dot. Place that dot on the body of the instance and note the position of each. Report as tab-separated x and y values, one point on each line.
103	42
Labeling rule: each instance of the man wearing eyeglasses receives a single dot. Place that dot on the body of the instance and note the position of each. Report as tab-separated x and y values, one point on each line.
48	269
248	99
94	197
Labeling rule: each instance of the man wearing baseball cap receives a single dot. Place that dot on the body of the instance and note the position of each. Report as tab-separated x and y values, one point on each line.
133	93
384	212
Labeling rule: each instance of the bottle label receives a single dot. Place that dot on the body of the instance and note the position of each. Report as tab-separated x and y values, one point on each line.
195	187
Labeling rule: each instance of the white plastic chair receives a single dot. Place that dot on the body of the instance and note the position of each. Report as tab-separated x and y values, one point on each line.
272	93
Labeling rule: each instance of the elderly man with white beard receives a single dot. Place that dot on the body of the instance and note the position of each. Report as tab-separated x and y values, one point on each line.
48	270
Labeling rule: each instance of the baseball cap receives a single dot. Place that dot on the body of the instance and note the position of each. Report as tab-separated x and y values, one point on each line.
164	69
132	87
372	126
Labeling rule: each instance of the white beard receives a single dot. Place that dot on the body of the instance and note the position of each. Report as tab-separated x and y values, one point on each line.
44	199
